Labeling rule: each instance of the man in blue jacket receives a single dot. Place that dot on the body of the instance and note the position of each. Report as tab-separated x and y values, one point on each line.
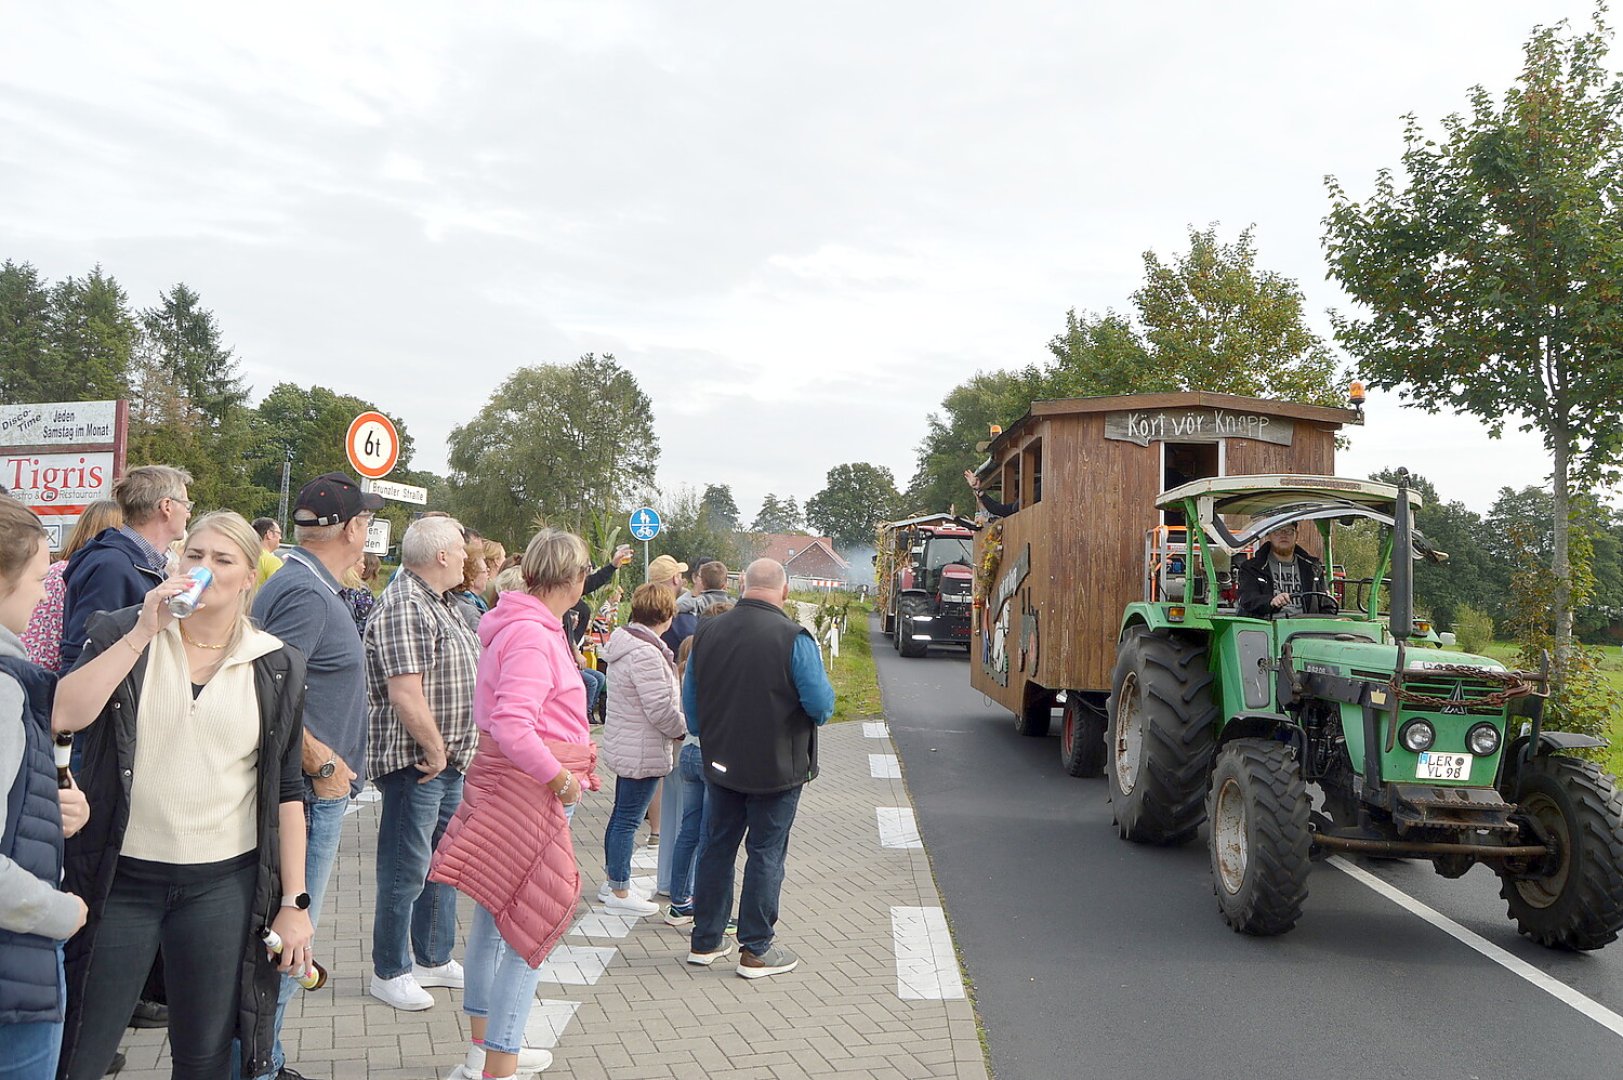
756	693
118	566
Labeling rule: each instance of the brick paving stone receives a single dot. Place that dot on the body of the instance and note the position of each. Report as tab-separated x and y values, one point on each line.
646	1013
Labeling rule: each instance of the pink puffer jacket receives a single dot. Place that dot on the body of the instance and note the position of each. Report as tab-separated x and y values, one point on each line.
508	848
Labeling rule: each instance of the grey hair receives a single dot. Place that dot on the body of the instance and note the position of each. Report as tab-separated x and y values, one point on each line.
317	534
765	574
427	537
141	489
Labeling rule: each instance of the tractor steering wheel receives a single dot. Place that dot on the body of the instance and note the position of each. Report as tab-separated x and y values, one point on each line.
1335	605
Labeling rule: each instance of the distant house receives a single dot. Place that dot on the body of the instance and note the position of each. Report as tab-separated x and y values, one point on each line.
810	557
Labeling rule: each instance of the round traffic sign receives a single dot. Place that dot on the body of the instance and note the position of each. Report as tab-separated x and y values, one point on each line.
372	445
645	523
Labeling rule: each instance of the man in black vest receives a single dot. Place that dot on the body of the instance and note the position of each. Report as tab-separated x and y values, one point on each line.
755	693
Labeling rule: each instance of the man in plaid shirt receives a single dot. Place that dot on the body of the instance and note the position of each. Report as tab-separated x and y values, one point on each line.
421	663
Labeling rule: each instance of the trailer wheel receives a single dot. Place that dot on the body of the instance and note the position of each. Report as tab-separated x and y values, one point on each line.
1082	734
909	607
1036	712
1258	810
1579	904
1158	753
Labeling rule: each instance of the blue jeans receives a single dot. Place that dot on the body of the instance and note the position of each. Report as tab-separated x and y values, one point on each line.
29	1051
497	985
323	825
594	681
201	916
761	823
631	799
690	781
414	917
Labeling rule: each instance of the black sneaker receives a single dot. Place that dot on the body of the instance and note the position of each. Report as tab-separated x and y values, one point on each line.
118	1063
286	1073
149	1014
775	961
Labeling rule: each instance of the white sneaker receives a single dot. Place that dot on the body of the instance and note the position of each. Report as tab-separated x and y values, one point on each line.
402	992
448	974
604	893
531	1059
632	903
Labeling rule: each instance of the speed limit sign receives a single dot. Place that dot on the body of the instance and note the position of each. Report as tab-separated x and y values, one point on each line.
372	445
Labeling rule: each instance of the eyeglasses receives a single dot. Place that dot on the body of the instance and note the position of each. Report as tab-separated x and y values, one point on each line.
187	503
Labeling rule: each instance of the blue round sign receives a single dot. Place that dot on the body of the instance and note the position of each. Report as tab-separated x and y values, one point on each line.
645	523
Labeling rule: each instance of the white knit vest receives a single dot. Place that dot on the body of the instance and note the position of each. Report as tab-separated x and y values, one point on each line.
196	762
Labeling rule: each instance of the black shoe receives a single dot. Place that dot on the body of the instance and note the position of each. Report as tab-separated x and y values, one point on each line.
119	1061
149	1014
290	1074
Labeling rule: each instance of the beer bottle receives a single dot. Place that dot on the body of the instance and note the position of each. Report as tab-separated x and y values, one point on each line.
313	979
64	754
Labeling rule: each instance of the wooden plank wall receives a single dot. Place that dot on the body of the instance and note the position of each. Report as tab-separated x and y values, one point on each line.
1087	544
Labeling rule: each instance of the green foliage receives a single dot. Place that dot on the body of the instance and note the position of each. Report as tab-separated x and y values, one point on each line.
1490	277
72	341
689	531
777	515
1473	628
718	508
556	440
854	499
1207	319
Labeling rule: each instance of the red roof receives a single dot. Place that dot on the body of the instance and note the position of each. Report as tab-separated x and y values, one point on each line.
785	547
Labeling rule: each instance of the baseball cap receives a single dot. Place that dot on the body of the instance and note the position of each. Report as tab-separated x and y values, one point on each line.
332	499
664	568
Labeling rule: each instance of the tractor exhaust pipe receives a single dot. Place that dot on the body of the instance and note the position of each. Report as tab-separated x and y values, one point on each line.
1402	563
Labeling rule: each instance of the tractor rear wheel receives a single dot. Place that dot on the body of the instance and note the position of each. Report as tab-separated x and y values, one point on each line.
909	607
1082	734
1257	811
1579	905
1158	750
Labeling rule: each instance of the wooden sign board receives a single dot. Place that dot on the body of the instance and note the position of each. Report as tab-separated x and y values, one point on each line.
1198	425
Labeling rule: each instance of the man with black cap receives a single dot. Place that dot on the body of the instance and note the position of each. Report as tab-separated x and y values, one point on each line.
300	604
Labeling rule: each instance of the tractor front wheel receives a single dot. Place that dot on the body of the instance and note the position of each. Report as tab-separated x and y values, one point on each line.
1578	903
1158	750
909	607
1082	734
1257	811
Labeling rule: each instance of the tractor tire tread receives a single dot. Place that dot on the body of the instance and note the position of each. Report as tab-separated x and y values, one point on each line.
1168	803
1594	915
905	610
1271	897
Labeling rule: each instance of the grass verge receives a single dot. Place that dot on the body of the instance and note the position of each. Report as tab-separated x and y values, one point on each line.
855	677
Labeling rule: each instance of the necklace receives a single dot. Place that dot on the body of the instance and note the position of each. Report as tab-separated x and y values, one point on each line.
188	639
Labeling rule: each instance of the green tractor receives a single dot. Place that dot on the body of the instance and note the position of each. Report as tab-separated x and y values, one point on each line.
1417	754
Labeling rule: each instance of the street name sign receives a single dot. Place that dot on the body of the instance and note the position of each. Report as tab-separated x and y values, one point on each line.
409	493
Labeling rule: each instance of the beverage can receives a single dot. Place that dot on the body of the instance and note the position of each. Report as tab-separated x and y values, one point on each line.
185	603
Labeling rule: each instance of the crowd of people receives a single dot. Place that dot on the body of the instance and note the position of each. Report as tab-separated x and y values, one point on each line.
187	708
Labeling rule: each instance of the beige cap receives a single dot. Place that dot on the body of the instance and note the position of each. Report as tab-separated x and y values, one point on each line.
664	568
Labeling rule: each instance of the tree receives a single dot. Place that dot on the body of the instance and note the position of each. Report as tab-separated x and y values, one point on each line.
188	405
777	516
93	338
28	369
691	530
967	414
1474	575
718	509
854	499
555	441
1490	280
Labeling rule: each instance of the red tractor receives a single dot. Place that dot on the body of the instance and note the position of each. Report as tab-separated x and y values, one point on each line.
923	572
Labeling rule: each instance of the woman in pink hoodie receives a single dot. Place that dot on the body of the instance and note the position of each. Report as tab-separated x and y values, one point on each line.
508	847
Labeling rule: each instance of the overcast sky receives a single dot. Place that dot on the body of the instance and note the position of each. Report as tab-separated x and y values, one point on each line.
798	225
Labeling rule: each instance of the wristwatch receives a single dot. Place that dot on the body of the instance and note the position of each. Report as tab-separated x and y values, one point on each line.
301	901
327	770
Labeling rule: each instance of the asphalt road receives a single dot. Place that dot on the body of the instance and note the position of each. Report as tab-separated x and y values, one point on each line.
1093	957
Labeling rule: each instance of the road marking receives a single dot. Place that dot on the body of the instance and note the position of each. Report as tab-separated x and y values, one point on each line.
926	966
576	965
1557	989
603	923
884	767
873	730
898	828
547	1021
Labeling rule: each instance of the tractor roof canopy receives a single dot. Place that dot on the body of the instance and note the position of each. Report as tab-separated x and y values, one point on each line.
1267	502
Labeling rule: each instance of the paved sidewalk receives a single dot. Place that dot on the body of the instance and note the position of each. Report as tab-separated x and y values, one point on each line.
878	992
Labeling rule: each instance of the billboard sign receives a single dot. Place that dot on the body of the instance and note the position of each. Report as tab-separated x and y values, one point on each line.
59	457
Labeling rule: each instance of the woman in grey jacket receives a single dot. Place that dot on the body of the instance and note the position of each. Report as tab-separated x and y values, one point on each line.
643	722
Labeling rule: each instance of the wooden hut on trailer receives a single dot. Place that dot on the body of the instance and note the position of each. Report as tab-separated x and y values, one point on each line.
1085	539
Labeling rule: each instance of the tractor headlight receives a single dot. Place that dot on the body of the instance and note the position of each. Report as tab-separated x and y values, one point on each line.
1482	739
1417	735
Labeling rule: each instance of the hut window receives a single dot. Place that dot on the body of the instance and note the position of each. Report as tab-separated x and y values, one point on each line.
1031	490
1009	480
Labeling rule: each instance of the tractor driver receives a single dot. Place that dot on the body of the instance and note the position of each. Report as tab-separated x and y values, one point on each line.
1282	580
